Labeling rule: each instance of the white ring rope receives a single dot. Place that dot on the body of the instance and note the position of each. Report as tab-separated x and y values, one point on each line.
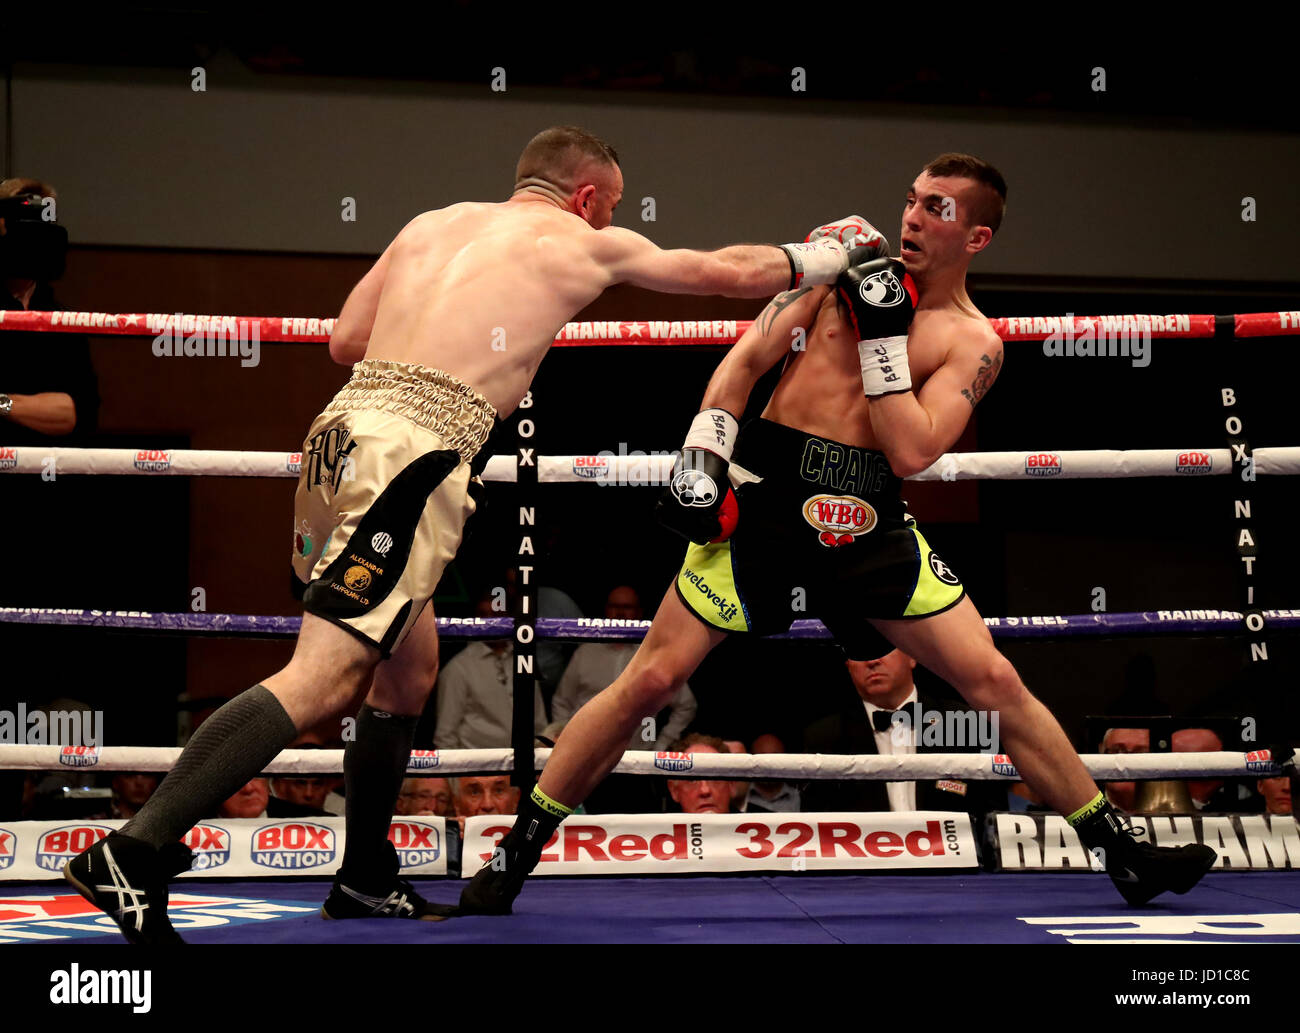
907	767
656	469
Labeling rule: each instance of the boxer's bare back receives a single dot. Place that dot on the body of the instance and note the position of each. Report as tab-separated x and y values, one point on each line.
480	290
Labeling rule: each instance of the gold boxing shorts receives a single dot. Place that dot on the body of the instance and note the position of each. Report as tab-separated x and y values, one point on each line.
383	495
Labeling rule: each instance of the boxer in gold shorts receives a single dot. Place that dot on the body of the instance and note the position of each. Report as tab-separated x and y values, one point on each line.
446	332
384	493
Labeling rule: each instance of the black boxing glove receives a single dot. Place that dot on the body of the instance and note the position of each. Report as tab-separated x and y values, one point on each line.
881	300
699	503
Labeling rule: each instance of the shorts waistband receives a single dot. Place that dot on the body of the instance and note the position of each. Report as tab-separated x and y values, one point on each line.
429	398
775	450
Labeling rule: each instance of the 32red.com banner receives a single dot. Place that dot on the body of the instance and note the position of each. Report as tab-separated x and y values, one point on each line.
634	844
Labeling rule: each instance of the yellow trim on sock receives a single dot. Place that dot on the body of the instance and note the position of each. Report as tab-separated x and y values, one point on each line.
548	805
1087	810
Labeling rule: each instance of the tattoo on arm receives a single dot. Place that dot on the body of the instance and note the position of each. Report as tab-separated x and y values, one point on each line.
778	305
983	379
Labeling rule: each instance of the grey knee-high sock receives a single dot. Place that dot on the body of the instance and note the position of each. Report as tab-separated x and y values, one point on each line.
230	747
374	765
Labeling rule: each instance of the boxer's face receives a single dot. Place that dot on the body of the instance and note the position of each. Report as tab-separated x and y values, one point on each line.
936	231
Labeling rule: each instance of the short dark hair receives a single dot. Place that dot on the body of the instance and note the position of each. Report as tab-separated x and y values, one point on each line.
556	155
989	209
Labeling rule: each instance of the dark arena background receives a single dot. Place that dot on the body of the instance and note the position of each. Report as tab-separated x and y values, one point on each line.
1142	180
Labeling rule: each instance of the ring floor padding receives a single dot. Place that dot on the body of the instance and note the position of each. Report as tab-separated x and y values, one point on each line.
1261	907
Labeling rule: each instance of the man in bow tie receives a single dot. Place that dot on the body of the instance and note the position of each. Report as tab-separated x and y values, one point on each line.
892	719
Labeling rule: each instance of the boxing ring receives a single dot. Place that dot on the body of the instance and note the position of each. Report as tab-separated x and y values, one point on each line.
830	891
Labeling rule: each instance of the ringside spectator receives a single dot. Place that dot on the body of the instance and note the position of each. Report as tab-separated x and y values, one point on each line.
700	796
1124	740
476	693
771	796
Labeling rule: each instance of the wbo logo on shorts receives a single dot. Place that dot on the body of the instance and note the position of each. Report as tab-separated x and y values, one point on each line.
839	518
665	761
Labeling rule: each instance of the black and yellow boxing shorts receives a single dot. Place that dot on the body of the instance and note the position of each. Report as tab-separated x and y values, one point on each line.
384	492
824	533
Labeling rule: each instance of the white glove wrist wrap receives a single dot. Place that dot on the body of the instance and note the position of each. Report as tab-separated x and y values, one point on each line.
715	431
884	366
818	261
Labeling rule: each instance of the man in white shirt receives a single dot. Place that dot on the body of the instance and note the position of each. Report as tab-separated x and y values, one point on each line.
476	695
886	687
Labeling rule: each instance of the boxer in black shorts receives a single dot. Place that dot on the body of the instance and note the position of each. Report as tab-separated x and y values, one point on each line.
888	365
825	523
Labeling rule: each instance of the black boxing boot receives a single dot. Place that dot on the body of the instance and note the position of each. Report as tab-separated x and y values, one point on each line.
494	887
380	894
127	878
1140	871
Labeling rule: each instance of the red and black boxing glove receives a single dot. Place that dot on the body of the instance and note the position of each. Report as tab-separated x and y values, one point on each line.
700	504
881	300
